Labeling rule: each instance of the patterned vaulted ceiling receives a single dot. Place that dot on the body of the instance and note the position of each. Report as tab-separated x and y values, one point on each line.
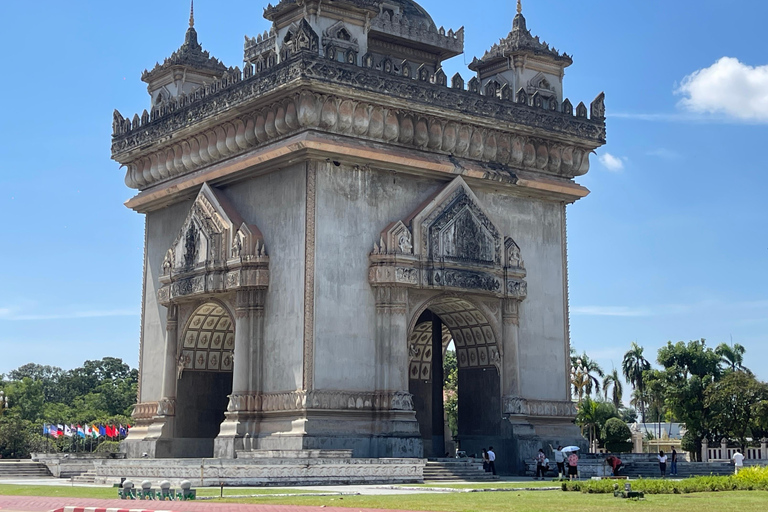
209	340
475	342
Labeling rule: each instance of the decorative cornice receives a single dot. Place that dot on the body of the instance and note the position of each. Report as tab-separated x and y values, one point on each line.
517	406
527	137
334	400
414	29
144	411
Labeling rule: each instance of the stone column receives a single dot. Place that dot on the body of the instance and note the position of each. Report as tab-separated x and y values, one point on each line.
705	450
510	375
764	448
162	424
240	418
724	449
438	408
391	339
394	414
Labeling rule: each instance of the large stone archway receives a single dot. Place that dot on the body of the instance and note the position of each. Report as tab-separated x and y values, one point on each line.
205	373
478	352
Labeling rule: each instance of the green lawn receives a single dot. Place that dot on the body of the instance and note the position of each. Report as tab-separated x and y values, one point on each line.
532	501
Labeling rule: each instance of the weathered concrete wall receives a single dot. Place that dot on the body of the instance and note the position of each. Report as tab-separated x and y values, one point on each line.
353	207
536	226
276	204
162	228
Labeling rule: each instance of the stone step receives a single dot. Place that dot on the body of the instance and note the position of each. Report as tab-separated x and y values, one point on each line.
23	469
456	471
294	454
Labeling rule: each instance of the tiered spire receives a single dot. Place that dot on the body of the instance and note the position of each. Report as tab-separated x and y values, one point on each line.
519	6
190	55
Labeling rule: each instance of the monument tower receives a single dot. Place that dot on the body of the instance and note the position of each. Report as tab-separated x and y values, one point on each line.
323	222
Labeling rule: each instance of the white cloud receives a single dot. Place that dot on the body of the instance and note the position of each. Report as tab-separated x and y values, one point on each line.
729	88
666	154
612	163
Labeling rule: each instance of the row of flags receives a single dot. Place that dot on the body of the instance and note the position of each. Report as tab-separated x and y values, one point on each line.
84	431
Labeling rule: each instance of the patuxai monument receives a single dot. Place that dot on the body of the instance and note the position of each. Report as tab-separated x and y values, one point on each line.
323	221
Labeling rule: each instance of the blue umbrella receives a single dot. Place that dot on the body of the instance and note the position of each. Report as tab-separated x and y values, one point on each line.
571	449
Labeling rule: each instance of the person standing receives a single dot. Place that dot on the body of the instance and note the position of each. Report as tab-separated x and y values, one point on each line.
673	463
492	460
662	463
559	460
573	466
738	461
540	469
486	468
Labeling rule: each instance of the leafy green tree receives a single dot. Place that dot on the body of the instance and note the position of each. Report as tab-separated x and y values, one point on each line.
628	415
689	369
591	417
26	399
632	366
15	436
613	381
617	436
732	401
731	356
450	370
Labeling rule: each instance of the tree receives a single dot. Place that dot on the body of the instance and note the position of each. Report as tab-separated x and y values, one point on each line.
617	436
613	381
632	366
584	375
732	357
15	436
592	415
732	401
689	368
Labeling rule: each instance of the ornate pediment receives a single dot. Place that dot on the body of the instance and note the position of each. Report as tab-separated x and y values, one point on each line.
454	227
450	243
215	250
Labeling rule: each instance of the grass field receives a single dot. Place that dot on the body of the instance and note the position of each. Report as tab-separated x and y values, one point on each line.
519	501
488	485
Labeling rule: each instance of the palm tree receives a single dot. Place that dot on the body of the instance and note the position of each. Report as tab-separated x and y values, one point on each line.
590	367
633	366
613	380
731	356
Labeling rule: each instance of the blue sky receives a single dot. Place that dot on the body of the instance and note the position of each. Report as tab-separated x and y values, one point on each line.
670	245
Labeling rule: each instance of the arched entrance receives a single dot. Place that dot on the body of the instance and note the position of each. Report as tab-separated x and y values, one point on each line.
205	378
440	321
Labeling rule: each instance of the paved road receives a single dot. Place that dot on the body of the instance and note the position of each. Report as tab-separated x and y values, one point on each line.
46	504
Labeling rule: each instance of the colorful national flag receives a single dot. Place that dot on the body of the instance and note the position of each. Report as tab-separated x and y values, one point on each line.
53	431
94	431
81	431
102	431
67	431
46	430
123	431
59	430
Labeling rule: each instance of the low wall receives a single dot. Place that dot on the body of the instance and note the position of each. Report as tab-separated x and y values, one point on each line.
256	472
68	465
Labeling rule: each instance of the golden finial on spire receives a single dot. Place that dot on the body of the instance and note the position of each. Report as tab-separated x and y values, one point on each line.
519	6
192	14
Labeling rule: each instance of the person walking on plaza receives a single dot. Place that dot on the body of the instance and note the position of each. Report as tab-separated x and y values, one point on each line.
559	460
662	463
673	463
540	469
738	461
492	460
573	466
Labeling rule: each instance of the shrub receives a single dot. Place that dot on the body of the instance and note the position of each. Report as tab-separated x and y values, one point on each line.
617	436
748	479
108	447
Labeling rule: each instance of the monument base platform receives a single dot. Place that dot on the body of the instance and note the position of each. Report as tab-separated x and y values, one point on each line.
312	467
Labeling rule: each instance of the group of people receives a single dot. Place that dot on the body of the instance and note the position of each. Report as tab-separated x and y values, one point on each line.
567	463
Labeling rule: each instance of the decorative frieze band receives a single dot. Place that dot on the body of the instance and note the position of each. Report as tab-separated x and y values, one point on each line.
144	410
336	400
513	405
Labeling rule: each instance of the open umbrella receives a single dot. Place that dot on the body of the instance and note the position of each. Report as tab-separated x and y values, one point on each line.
571	449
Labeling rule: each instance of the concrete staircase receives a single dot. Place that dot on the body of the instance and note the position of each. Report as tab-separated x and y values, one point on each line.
89	477
452	470
23	469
